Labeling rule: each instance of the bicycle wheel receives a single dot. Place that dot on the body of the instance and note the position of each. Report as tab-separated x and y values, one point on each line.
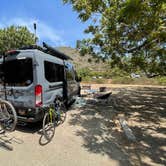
49	124
8	116
62	110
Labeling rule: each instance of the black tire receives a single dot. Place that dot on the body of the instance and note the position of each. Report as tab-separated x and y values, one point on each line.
8	113
63	113
48	126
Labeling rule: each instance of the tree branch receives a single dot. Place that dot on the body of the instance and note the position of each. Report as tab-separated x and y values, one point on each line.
145	43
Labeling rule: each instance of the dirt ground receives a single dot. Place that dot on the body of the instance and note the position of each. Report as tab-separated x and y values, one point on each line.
92	135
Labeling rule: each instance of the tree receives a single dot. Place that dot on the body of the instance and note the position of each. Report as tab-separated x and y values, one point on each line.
15	37
120	28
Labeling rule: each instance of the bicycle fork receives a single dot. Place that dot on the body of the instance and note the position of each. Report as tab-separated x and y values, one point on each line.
50	114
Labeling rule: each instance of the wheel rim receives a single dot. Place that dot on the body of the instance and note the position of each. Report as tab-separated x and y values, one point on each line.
62	114
49	127
9	116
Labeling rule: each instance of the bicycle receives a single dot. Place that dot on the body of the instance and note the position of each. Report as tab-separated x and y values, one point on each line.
8	116
55	114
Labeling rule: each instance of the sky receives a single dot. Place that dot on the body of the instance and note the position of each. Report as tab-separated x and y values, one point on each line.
57	24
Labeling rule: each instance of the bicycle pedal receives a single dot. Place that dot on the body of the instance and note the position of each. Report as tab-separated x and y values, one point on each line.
40	131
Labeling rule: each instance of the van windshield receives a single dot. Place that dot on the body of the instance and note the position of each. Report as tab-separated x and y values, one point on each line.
18	72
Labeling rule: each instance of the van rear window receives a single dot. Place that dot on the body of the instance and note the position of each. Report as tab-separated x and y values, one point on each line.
18	72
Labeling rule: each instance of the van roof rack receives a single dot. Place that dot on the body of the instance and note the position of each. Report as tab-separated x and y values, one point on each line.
55	52
49	50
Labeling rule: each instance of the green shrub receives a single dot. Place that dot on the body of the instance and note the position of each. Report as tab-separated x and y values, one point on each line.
114	72
118	76
100	81
161	80
84	72
122	80
86	79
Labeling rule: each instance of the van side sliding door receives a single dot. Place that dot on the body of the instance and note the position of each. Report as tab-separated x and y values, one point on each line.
72	85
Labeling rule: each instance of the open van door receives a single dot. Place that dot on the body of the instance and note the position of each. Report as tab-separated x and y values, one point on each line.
71	82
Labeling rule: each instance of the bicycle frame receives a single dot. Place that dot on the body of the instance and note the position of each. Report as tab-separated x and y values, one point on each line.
51	114
54	108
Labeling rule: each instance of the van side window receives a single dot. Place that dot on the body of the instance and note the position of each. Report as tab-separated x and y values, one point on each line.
53	72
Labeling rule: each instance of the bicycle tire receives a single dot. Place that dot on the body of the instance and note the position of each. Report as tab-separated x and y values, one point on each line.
63	113
48	126
11	115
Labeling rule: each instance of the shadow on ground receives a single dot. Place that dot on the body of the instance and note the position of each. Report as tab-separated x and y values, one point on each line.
30	127
6	141
37	128
34	128
144	109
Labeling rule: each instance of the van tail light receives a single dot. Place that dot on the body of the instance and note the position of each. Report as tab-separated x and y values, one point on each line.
38	96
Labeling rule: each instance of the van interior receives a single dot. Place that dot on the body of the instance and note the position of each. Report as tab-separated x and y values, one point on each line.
18	72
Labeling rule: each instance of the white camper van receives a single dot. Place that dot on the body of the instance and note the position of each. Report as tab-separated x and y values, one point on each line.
34	76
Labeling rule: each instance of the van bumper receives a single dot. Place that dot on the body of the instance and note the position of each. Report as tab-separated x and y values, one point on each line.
35	115
28	120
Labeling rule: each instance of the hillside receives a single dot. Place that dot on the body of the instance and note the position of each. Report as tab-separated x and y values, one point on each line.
83	61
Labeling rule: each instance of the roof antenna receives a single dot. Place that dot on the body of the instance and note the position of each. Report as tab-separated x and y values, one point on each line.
35	27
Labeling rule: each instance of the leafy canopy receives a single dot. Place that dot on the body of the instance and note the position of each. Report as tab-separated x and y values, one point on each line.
14	37
125	29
